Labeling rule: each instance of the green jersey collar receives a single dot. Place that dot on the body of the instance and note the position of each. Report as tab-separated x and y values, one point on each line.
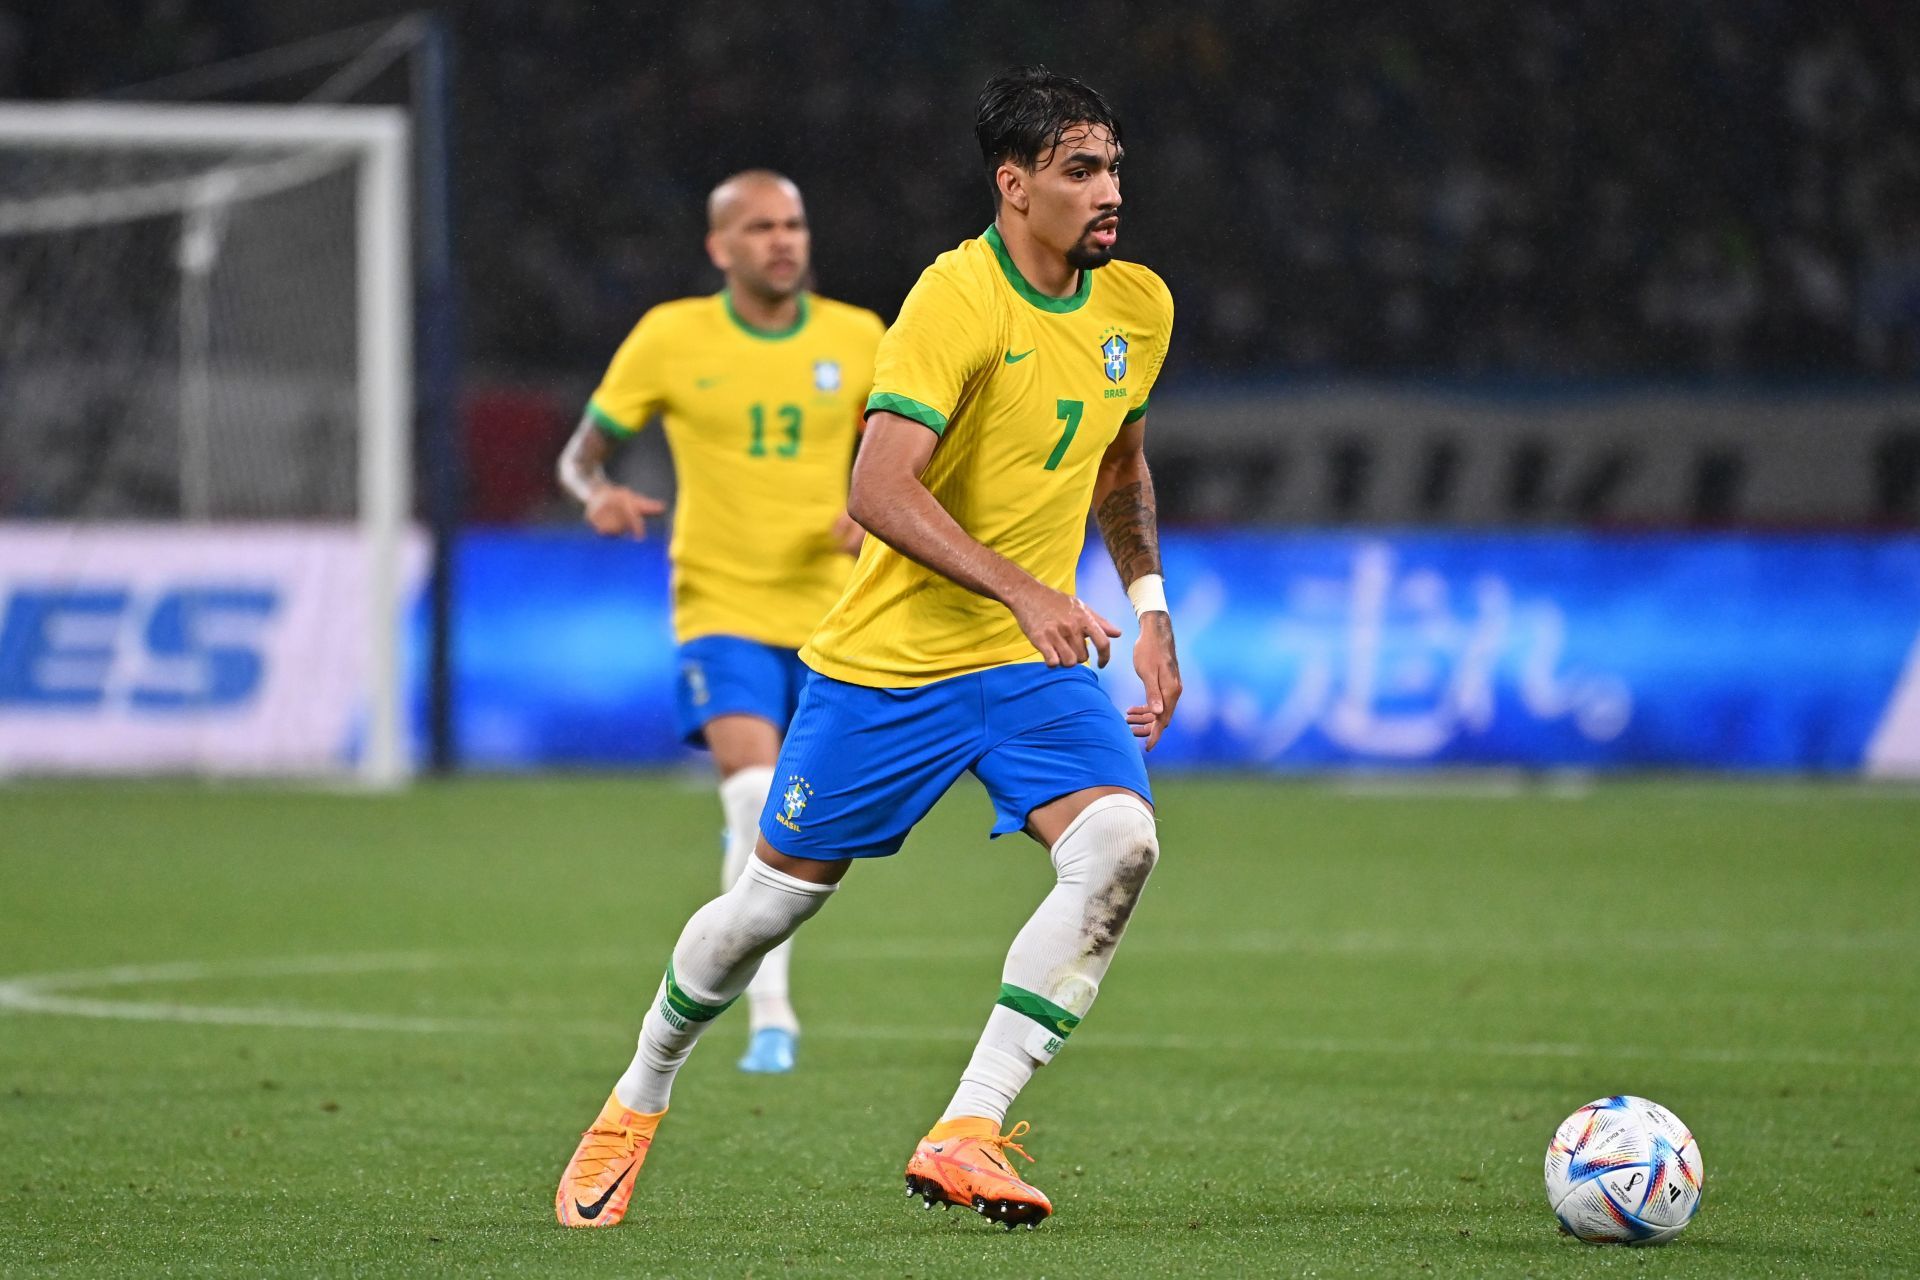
766	335
1027	291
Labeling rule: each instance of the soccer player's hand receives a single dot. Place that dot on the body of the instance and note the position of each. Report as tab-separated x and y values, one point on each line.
848	534
1159	670
614	510
1060	626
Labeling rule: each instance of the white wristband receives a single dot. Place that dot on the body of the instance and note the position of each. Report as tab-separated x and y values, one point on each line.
1149	594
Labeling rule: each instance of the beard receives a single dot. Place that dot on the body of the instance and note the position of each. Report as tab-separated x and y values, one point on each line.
1087	254
1085	257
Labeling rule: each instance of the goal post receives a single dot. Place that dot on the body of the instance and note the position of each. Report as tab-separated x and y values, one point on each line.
225	248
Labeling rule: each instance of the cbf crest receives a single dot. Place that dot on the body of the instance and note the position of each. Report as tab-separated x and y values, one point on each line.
826	375
695	676
793	802
1113	354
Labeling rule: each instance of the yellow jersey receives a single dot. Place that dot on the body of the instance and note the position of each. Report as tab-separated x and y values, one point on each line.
762	428
1025	392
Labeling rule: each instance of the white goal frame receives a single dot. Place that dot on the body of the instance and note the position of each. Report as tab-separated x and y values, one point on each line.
379	139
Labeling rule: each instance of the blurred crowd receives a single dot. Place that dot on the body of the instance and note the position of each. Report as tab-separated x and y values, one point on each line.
1582	188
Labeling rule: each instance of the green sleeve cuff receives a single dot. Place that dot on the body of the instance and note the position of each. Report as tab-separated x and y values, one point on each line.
610	424
1134	414
926	415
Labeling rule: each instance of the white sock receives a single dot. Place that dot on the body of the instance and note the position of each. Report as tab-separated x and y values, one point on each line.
742	796
1057	962
717	954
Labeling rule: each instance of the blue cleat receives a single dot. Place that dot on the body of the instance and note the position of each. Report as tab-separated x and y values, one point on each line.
770	1052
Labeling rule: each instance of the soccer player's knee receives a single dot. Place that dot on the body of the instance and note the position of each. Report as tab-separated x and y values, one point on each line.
1111	847
1113	832
772	904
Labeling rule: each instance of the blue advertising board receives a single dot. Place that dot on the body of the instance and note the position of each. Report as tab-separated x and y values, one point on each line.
1314	650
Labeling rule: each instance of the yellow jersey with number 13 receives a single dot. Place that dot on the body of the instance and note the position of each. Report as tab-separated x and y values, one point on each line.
1025	392
762	429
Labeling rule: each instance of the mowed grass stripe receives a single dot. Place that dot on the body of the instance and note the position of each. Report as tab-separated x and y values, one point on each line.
38	994
1336	1040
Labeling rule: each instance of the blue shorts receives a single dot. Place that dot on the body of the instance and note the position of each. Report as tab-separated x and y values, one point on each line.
731	676
861	766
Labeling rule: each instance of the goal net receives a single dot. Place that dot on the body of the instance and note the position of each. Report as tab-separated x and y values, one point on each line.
206	542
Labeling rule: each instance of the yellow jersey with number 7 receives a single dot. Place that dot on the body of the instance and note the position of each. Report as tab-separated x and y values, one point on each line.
762	427
1025	392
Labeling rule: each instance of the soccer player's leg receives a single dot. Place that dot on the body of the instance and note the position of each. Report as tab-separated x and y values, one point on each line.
1064	768
735	697
859	767
711	964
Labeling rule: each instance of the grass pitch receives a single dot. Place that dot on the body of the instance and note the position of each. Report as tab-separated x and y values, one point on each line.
262	1032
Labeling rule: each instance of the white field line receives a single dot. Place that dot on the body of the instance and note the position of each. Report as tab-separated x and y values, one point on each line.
41	994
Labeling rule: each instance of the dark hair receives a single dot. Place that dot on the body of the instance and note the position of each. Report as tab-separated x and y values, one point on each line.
1023	114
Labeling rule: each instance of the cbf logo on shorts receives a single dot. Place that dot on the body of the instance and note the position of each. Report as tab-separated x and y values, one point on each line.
696	676
1113	352
794	802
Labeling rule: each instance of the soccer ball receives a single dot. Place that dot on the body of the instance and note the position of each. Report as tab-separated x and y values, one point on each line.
1624	1170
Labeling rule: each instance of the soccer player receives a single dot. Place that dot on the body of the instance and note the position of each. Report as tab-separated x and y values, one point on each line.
1008	398
761	389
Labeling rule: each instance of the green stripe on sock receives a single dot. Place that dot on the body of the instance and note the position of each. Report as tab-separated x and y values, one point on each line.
1039	1008
689	1008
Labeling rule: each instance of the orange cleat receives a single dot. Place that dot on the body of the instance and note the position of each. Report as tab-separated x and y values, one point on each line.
599	1179
963	1161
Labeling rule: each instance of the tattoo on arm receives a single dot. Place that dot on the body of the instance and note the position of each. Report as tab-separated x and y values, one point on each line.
582	466
1128	526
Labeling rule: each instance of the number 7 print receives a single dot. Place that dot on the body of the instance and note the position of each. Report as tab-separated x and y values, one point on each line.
1068	411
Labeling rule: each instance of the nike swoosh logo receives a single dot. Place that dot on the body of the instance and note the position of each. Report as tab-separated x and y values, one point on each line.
592	1211
1016	359
704	383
